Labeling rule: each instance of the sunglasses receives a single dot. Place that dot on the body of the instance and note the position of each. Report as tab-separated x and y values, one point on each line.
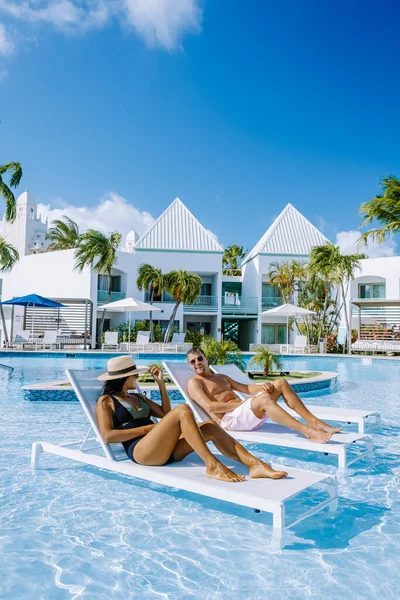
193	361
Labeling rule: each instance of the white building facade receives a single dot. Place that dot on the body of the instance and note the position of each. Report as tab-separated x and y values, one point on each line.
228	307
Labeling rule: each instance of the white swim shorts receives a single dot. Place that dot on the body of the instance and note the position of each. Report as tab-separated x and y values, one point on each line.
242	418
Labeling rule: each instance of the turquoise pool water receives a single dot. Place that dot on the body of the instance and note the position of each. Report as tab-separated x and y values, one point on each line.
71	531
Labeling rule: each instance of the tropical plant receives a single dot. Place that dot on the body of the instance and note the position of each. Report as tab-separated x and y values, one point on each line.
15	169
64	234
337	269
222	352
8	258
285	275
385	208
230	259
194	337
99	252
153	278
264	358
183	287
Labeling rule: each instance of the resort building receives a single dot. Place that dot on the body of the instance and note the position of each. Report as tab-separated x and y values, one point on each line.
375	299
228	306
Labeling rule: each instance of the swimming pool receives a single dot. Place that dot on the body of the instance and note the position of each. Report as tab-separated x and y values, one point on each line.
70	531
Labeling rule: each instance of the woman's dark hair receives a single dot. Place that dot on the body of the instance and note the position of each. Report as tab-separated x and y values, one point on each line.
114	386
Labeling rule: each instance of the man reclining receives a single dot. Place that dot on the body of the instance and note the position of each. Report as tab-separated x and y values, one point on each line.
216	395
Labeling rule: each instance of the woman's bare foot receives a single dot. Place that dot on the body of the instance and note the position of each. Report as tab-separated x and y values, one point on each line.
261	469
327	428
219	471
318	435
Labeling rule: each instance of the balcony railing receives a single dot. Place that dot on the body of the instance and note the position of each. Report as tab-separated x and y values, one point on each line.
102	297
203	304
270	302
239	305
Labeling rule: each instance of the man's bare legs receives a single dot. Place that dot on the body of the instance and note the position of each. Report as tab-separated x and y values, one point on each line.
265	403
229	447
284	389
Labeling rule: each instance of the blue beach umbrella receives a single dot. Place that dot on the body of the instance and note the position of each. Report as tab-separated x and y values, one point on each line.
34	300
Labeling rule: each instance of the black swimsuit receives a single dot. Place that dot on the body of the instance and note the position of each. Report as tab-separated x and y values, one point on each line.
123	419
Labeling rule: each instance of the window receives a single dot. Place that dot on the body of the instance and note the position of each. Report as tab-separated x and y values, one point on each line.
102	283
205	289
372	290
273	334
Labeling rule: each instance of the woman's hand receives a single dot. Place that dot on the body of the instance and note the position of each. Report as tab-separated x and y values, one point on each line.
157	374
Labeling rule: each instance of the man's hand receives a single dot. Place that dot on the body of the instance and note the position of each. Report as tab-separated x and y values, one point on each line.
157	374
267	387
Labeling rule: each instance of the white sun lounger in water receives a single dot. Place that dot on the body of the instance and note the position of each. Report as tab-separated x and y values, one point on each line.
189	475
276	435
326	413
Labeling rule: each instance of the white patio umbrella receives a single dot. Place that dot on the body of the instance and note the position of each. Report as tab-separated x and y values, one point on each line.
287	310
129	305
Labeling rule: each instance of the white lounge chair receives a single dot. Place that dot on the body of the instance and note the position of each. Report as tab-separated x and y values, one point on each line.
20	339
276	435
110	340
142	344
327	413
189	475
177	344
49	340
299	346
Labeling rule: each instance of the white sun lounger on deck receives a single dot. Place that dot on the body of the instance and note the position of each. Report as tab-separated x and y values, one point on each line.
260	494
276	435
327	413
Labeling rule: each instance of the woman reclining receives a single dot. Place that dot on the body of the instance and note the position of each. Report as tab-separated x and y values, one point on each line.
124	415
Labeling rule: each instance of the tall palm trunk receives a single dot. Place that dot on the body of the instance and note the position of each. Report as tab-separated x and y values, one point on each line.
151	316
103	316
3	324
171	322
322	321
346	316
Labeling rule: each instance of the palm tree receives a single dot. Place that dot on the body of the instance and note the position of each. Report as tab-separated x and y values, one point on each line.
265	359
224	352
230	259
64	235
99	252
16	173
337	269
153	278
8	257
385	209
183	287
284	275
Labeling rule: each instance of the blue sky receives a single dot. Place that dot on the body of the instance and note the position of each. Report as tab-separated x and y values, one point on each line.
235	107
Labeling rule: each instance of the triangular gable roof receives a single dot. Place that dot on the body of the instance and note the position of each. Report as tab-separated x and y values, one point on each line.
290	233
178	229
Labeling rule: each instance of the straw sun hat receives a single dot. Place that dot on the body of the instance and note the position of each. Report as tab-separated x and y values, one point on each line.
121	366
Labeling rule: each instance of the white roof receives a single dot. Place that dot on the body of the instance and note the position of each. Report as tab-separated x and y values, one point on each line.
290	233
178	229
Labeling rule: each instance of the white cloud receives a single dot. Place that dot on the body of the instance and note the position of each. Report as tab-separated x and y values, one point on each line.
6	45
163	22
348	244
113	213
159	22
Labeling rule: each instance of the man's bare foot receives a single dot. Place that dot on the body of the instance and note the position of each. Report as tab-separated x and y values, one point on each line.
325	427
219	471
317	435
261	469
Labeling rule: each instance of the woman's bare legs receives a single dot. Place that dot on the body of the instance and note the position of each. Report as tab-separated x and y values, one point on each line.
158	445
229	447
